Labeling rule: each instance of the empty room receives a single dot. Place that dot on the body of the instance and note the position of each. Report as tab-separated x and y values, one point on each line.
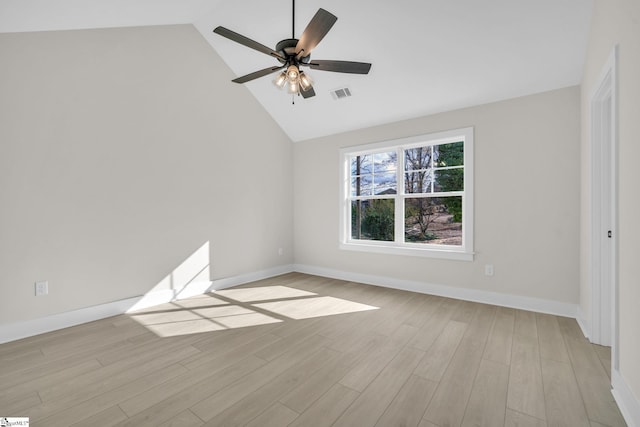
319	213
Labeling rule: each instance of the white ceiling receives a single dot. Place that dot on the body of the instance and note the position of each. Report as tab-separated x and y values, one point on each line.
428	56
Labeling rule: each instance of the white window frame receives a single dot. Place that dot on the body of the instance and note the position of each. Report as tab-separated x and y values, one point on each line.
463	252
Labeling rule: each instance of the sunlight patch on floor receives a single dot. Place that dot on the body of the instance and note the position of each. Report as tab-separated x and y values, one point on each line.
263	293
206	300
241	308
195	321
314	307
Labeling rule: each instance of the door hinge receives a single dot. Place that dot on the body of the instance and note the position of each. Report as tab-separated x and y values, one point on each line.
609	234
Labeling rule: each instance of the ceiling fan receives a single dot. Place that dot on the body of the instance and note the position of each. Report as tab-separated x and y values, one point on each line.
296	53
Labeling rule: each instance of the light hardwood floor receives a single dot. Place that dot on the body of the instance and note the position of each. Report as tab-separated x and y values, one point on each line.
300	350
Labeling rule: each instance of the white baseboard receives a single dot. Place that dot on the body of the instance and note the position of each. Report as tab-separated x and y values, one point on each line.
486	297
583	323
28	328
627	402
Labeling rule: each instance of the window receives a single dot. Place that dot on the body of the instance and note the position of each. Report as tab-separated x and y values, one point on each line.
412	196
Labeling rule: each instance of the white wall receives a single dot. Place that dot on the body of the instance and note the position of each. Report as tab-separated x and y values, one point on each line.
123	151
527	185
618	22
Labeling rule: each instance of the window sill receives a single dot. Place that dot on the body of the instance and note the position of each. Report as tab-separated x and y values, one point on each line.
459	255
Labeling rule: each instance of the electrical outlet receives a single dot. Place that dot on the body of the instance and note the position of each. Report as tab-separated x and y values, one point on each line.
280	251
488	270
42	288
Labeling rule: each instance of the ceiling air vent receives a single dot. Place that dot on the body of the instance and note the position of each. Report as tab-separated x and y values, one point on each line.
341	93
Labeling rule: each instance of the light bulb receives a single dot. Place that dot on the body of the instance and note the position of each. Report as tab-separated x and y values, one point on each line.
293	87
305	81
281	80
293	73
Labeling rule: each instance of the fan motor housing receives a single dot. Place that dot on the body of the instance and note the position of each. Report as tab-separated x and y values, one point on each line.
287	48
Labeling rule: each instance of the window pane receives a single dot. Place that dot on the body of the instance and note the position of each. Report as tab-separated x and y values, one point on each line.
417	158
361	165
361	186
433	220
448	180
372	219
449	154
417	182
384	162
385	183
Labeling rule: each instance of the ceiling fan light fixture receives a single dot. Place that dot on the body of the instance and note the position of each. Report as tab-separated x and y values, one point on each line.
281	80
305	81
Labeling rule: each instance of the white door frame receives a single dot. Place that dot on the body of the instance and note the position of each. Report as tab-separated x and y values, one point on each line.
604	209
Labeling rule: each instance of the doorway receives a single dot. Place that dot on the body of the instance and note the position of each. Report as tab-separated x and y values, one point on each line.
604	303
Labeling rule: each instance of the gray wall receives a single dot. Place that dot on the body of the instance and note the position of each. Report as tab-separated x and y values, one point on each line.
122	151
527	192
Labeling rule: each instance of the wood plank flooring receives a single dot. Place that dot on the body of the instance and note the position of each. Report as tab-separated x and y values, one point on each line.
301	350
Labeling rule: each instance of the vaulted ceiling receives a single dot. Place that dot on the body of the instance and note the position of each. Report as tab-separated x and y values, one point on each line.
428	56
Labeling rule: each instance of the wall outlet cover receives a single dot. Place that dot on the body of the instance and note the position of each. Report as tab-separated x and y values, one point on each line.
488	270
42	288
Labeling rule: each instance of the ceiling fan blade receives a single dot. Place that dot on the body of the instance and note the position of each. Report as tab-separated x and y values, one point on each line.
308	93
257	74
239	38
318	27
340	66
